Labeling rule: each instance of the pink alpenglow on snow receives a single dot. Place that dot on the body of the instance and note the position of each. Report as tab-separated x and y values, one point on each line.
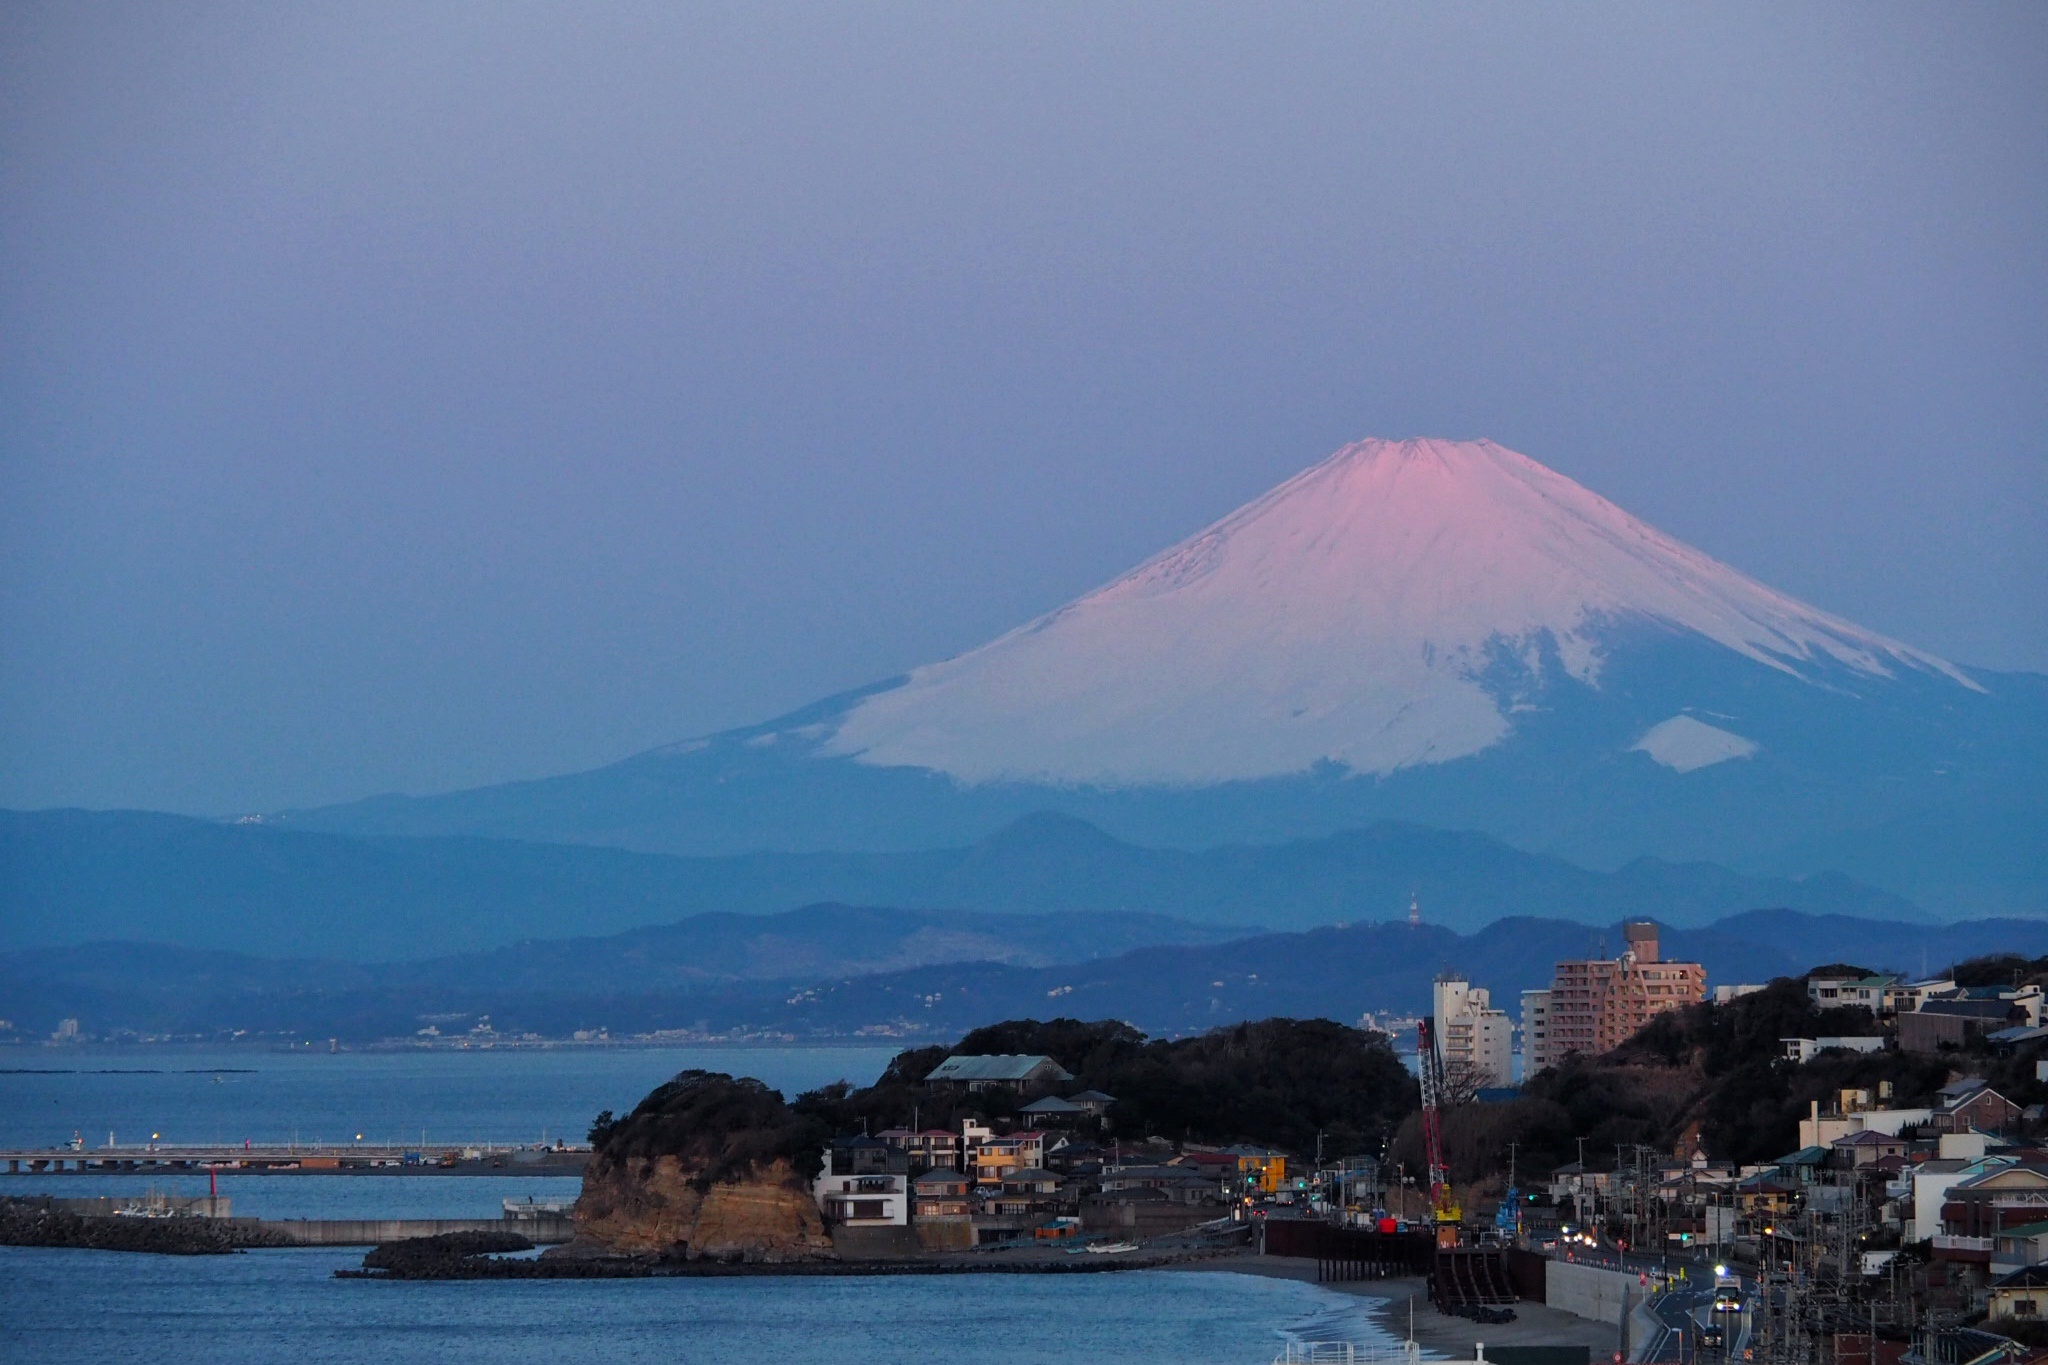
1345	617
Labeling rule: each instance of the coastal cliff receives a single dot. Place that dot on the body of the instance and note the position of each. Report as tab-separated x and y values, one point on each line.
706	1167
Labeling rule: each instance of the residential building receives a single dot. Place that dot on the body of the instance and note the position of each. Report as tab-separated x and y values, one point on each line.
928	1147
1904	997
2022	1293
1008	1071
1869	1146
2012	1195
1181	1184
864	1183
1597	1004
1946	1024
1053	1109
1970	1105
1803	1050
1853	1112
1726	995
1833	992
2026	1244
940	1193
1535	1031
1474	1040
1024	1192
996	1156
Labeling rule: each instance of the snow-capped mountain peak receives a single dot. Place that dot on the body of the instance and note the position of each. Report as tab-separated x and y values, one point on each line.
1353	615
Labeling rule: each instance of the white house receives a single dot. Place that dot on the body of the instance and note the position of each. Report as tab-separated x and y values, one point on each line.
865	1183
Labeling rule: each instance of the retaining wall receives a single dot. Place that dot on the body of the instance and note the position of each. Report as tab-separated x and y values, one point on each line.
1588	1291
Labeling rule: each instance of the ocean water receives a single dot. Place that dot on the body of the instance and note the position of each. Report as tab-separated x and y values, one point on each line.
194	1094
320	1196
63	1306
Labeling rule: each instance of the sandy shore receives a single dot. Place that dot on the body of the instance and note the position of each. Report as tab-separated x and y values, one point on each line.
1437	1333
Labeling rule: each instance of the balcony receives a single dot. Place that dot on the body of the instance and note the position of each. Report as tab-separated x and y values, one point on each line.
1951	1247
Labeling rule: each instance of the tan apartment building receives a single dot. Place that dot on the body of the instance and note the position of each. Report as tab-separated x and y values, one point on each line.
1596	1004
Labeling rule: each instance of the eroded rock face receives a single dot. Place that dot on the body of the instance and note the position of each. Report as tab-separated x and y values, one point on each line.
654	1207
704	1167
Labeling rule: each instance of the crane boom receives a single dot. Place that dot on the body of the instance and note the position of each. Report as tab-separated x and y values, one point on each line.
1443	1203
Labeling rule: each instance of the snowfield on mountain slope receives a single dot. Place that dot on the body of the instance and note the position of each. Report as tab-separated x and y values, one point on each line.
1345	617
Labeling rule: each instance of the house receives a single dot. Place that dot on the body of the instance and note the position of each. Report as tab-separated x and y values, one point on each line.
1053	1109
2012	1194
1833	992
1007	1071
1214	1165
2009	1040
1853	1113
864	1182
1931	1181
1804	1050
1904	997
1180	1184
2026	1244
1949	1023
1094	1101
2026	1000
1763	1197
1869	1146
2019	1293
940	1193
927	1147
1976	1109
1025	1192
1013	1151
1802	1167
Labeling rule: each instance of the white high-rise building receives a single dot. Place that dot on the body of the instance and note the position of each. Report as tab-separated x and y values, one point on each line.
1535	1032
1475	1040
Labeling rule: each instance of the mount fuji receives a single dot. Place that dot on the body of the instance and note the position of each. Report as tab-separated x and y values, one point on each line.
1437	631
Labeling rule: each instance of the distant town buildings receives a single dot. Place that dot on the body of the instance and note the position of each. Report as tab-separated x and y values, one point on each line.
1475	1040
1596	1004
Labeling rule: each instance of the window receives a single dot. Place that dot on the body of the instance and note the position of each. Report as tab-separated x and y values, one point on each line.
2024	1308
870	1208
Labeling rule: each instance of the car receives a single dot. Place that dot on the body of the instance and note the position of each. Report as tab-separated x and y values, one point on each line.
1727	1303
1712	1338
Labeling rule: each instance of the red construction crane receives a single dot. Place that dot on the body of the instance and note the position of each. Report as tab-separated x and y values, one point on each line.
1443	1204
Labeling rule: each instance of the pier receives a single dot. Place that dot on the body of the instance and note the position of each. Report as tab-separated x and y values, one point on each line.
455	1158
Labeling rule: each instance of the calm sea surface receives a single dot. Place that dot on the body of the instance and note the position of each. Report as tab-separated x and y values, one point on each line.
501	1096
64	1306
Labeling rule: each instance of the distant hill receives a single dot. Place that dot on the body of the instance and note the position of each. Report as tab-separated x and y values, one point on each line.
70	877
826	972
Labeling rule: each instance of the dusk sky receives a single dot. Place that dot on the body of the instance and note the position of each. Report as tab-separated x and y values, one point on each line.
411	396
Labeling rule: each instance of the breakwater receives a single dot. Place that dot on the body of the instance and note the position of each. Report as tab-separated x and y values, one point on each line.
61	1222
297	1159
363	1232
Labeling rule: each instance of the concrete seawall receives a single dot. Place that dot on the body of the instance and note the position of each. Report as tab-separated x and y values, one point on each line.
1588	1291
361	1232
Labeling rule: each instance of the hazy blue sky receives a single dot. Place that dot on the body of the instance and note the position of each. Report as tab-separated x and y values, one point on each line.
407	396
